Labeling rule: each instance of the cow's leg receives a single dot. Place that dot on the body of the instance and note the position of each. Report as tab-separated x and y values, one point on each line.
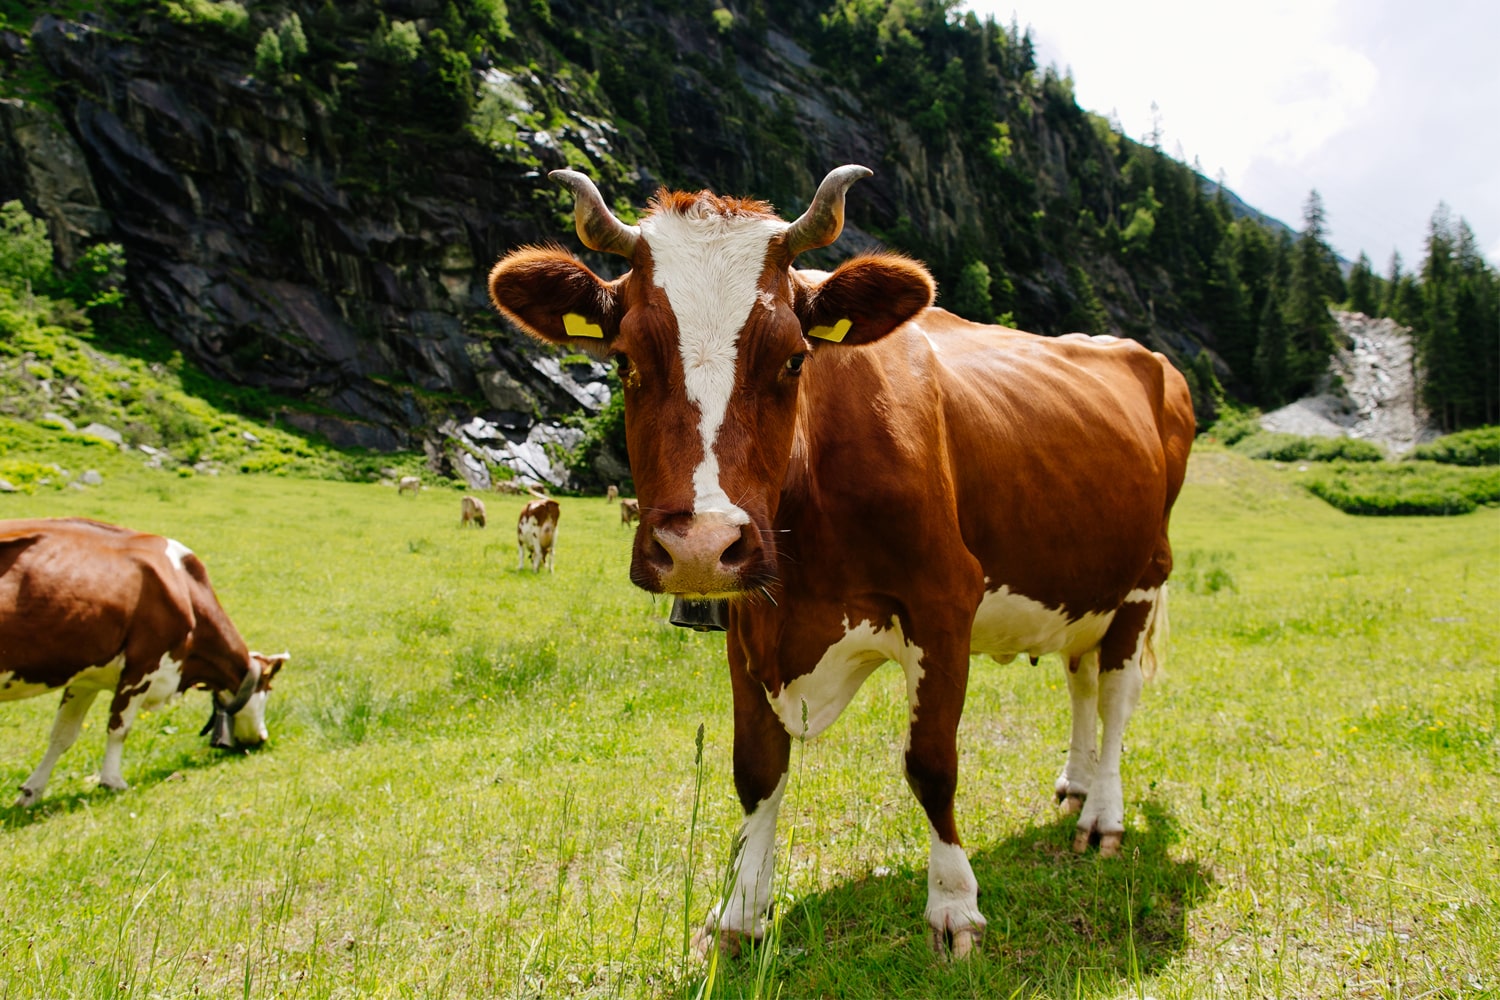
935	690
762	752
70	712
129	699
1120	682
1077	775
520	553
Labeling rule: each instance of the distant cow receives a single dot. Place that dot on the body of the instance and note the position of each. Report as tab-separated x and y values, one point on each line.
409	484
612	494
88	607
536	533
630	511
471	509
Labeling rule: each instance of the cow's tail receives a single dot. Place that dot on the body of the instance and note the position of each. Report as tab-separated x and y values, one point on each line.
1158	631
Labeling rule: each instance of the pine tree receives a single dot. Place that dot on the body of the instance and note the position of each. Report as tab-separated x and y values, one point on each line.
1363	291
1311	329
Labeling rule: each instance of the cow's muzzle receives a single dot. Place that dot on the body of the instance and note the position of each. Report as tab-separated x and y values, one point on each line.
698	556
221	719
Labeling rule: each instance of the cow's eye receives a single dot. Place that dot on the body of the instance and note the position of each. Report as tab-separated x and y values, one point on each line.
794	364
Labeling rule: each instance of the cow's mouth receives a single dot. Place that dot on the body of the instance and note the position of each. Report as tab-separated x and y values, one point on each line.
702	556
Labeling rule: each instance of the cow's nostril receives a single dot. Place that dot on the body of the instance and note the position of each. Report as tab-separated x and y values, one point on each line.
736	554
657	554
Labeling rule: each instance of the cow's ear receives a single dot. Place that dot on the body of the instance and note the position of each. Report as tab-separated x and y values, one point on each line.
553	297
864	299
269	664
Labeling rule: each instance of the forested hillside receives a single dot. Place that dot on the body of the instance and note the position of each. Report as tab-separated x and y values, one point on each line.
307	195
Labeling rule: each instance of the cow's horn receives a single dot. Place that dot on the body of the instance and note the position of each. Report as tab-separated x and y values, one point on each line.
821	224
596	224
247	687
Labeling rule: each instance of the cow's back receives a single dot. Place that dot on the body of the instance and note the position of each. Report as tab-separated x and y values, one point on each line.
74	592
1054	460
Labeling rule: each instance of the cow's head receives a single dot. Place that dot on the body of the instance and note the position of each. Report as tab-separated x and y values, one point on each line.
714	332
239	717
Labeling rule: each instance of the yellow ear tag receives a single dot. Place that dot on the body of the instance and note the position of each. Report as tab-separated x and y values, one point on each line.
834	333
577	326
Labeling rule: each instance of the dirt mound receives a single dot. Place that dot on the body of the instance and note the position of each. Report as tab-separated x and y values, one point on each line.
1370	392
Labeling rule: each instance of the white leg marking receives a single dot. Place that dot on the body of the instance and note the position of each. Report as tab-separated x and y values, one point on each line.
744	911
952	897
1077	776
75	705
158	687
709	265
1104	811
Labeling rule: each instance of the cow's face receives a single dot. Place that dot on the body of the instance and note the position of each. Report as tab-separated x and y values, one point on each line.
250	721
713	333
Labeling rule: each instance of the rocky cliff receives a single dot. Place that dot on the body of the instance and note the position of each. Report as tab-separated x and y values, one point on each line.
321	227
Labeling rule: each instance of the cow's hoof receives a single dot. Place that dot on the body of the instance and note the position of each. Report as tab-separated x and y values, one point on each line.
1109	844
729	943
27	798
956	945
113	784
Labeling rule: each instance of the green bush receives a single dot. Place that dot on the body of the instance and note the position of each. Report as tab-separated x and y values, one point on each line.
1343	449
1234	427
1279	447
1480	446
1405	488
227	15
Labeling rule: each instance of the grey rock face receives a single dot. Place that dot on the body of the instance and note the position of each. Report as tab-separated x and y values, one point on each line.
250	245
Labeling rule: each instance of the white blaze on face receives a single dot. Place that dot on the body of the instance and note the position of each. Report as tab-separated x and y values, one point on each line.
709	265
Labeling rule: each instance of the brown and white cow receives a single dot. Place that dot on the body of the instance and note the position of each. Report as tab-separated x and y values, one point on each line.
536	533
88	607
869	478
612	494
630	511
409	484
471	510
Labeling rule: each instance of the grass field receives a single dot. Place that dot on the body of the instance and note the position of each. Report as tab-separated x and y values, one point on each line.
482	782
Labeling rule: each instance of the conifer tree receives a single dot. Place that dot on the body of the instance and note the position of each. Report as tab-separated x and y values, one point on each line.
1363	293
1310	328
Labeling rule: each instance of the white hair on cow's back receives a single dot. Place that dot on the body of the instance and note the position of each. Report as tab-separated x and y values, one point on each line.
709	264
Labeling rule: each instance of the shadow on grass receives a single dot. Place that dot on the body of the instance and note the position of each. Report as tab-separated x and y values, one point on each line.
165	768
1059	923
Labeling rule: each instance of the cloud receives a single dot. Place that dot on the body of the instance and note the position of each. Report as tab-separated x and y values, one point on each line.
1383	110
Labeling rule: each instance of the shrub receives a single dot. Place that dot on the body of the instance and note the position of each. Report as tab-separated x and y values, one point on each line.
1480	446
1233	427
1279	447
1405	488
1343	449
228	15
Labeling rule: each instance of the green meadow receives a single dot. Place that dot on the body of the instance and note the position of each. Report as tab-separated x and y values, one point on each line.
483	782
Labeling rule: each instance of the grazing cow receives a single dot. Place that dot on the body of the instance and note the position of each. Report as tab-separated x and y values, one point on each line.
536	533
89	607
471	509
612	494
409	484
630	511
868	478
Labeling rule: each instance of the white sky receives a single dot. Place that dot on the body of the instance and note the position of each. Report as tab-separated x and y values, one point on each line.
1384	106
